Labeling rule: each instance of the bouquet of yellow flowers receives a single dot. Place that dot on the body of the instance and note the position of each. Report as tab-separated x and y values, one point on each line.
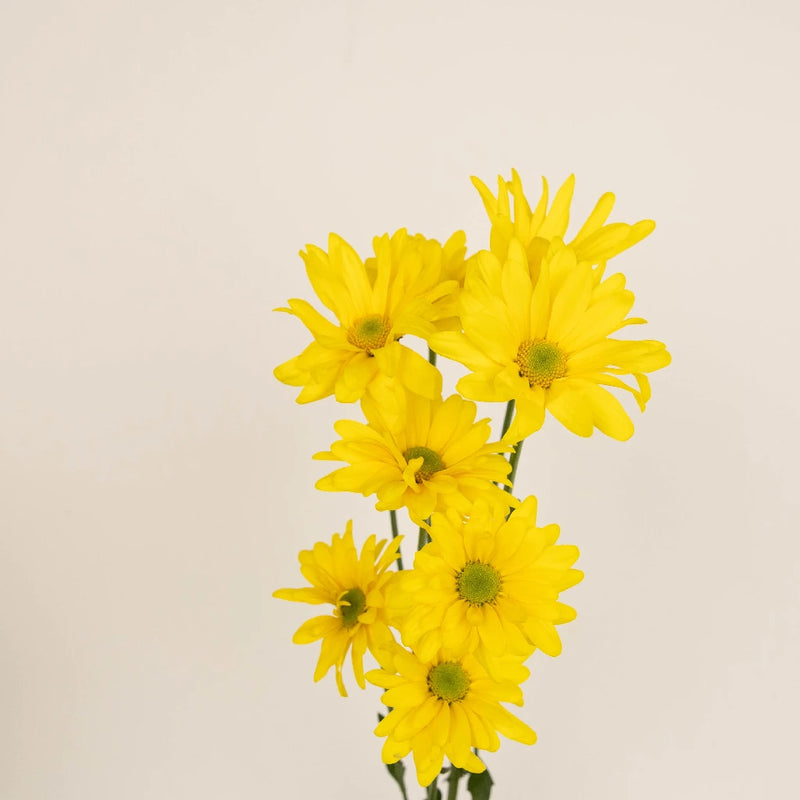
531	318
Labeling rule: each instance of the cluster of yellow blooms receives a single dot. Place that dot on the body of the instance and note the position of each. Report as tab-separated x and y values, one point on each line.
531	319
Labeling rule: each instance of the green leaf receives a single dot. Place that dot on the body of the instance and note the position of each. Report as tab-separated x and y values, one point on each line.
480	785
398	771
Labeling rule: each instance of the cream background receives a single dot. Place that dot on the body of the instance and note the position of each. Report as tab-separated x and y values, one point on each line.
160	165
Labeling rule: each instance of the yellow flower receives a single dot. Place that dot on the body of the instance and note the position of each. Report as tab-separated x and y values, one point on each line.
444	706
544	342
400	294
422	454
487	586
356	586
594	243
450	260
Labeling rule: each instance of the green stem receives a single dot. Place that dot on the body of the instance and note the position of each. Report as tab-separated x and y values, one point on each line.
514	460
509	415
402	786
432	789
423	537
452	779
395	532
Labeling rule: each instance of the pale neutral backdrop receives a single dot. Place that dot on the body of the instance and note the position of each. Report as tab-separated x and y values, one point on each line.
161	163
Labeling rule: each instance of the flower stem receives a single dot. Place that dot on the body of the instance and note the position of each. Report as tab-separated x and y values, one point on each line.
395	532
509	415
402	785
452	780
423	537
432	789
514	460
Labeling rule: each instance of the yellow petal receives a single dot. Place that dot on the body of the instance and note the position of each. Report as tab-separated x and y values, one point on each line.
407	695
570	303
305	595
595	220
316	628
324	331
557	221
566	401
418	718
607	413
352	275
528	415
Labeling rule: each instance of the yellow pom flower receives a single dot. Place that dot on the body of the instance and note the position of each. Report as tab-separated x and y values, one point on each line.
444	706
544	342
594	243
421	454
399	294
355	586
487	586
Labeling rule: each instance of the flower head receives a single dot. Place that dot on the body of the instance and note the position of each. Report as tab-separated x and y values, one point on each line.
448	257
487	586
594	243
544	342
422	454
355	586
444	706
400	293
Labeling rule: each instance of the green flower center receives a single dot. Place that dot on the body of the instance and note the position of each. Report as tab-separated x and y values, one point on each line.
369	333
352	603
478	583
541	363
449	681
431	462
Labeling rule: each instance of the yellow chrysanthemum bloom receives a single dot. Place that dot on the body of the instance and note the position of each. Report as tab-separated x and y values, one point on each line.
544	342
594	243
421	454
400	294
444	706
450	258
355	586
486	585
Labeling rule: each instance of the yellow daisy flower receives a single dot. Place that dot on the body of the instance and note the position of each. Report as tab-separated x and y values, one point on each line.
355	586
449	257
544	342
399	294
487	586
594	243
418	453
444	706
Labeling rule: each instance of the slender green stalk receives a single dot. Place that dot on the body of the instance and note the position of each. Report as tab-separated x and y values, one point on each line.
452	780
432	789
423	537
402	786
395	532
509	415
514	460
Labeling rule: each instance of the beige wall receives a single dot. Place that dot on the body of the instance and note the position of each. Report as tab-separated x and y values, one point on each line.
160	165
